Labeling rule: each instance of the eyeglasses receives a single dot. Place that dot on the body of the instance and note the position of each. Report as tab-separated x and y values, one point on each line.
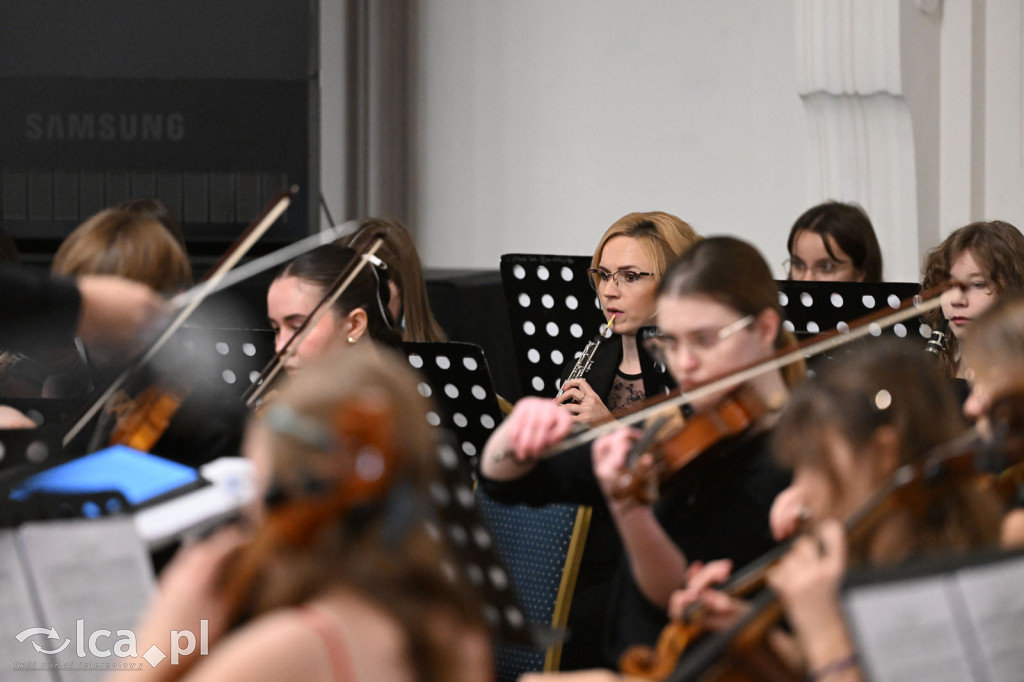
622	277
823	268
698	342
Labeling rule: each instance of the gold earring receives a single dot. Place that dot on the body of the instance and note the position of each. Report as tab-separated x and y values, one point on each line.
351	339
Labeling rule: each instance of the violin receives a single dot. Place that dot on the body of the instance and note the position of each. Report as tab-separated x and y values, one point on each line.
969	464
868	325
144	422
729	417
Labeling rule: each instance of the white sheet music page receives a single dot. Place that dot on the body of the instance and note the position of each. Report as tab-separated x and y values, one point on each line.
19	660
906	630
994	598
90	576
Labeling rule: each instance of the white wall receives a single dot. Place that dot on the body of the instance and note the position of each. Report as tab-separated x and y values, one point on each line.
540	122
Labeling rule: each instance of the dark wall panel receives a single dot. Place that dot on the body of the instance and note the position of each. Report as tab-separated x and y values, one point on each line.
211	106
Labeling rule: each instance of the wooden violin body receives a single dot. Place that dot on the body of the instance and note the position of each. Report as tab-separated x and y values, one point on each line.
731	416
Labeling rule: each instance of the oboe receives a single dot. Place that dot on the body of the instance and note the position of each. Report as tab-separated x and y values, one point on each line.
586	359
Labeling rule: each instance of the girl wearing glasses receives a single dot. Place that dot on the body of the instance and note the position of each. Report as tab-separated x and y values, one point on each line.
717	310
834	242
625	271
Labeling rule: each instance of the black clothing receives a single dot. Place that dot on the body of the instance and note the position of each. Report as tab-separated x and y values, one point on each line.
606	363
602	552
719	511
36	309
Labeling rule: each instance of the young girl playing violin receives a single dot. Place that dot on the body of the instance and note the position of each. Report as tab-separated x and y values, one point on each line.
358	316
625	271
717	310
338	578
845	432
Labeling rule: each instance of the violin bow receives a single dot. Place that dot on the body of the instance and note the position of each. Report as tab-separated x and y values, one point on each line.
248	238
869	325
341	283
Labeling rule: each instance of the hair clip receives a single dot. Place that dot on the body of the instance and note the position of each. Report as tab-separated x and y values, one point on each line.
286	421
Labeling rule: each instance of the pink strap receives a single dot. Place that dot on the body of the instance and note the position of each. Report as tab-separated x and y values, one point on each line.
334	642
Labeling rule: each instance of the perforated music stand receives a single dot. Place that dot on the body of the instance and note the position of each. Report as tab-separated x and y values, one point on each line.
459	382
29	448
554	312
457	379
235	355
470	539
815	307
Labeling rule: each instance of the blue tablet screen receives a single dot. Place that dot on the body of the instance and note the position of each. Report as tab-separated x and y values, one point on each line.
139	476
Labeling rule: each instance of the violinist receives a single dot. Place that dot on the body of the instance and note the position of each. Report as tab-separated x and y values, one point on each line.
845	432
833	242
993	353
717	310
358	317
625	272
348	583
39	310
987	257
118	242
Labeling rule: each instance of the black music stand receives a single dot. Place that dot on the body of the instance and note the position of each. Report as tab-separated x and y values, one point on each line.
815	307
471	541
554	312
459	382
28	448
235	356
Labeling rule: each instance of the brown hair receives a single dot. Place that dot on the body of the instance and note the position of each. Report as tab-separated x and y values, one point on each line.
398	251
733	273
381	549
664	236
885	383
998	249
116	241
852	231
151	208
368	290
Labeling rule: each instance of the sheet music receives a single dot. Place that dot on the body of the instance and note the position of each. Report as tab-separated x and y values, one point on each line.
96	571
906	631
994	599
17	613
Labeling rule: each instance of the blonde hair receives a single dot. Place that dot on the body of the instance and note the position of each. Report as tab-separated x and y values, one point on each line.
662	235
117	241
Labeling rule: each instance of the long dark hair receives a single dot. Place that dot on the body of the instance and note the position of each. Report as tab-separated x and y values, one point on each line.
733	273
368	291
852	231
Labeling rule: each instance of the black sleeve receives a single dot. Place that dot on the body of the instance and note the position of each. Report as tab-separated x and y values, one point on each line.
565	478
36	309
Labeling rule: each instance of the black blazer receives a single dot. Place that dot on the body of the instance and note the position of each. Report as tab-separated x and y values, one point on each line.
602	373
